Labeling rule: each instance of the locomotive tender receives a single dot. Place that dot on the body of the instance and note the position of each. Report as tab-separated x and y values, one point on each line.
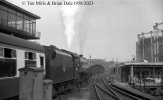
61	66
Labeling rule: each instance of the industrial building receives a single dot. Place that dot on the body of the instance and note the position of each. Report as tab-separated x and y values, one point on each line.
149	47
146	73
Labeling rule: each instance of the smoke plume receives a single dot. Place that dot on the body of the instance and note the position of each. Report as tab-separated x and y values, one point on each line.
68	13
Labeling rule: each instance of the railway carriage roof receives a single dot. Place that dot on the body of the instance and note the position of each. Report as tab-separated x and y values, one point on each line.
18	42
150	64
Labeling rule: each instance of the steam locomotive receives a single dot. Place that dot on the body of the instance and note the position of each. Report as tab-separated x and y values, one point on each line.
61	66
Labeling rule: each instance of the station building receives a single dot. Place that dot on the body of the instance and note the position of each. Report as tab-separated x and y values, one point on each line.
17	26
17	21
147	77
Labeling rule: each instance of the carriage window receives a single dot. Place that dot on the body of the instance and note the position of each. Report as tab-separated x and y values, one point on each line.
9	53
30	59
41	61
1	52
30	56
8	67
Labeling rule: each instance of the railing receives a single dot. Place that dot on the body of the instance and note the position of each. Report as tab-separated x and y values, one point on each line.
19	27
147	80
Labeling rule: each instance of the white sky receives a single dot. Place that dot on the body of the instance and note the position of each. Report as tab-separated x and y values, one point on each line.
109	28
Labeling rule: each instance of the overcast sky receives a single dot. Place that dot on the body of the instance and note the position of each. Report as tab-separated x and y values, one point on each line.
107	29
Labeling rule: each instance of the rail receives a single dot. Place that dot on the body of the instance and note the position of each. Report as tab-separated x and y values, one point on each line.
110	89
100	90
98	95
106	90
121	91
140	97
116	97
126	94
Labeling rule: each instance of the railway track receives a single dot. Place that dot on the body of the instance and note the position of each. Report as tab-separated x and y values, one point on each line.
102	91
105	91
103	94
122	94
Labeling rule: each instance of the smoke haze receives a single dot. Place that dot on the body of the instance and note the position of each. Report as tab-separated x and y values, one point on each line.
107	29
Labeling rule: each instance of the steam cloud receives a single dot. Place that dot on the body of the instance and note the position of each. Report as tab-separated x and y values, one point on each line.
68	13
74	22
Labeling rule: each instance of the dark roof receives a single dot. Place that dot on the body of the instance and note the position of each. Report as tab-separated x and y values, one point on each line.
14	7
15	41
58	51
69	52
144	64
62	53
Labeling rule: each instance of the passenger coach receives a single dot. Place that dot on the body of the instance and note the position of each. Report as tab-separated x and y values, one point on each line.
16	53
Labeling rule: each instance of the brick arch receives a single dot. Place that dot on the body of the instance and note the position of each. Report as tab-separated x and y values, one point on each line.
97	69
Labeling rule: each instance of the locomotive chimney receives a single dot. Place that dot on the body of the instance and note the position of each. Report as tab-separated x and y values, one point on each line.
81	55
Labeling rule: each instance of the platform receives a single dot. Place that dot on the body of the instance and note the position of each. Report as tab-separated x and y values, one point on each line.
126	87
